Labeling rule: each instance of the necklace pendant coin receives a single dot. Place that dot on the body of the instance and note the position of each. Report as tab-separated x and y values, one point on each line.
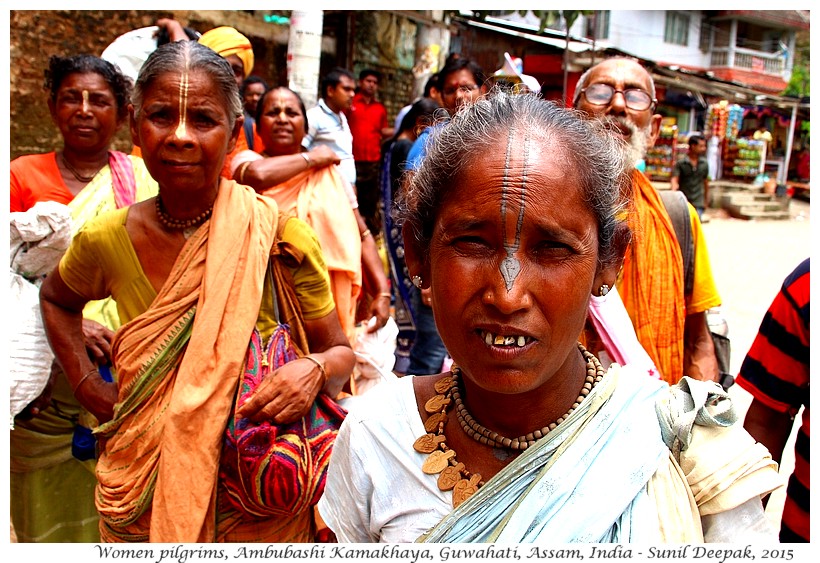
450	476
428	443
437	461
432	422
443	385
436	403
464	489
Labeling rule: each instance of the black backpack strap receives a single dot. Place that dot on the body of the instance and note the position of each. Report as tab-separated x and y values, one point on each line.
678	209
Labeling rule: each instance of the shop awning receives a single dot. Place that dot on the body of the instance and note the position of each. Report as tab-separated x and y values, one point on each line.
731	91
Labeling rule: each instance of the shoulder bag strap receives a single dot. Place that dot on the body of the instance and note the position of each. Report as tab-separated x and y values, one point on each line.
286	302
678	209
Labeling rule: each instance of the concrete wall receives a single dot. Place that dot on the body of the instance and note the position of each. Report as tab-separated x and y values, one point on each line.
640	32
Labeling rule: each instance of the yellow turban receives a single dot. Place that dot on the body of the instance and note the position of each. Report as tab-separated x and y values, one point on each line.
227	41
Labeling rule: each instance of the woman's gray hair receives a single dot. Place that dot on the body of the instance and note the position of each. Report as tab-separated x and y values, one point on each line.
179	56
593	153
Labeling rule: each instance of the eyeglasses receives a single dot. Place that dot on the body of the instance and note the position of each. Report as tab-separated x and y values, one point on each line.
465	89
634	98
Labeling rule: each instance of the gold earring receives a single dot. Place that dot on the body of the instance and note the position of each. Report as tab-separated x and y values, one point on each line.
603	290
416	281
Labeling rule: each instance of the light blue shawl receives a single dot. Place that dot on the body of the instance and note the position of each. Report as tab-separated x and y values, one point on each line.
602	456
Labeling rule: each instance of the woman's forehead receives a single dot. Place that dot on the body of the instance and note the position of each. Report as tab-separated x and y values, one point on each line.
281	97
523	162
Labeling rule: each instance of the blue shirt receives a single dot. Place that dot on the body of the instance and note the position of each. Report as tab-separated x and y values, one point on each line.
419	149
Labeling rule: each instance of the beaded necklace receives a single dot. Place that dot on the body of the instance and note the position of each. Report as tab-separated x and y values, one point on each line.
186	225
442	460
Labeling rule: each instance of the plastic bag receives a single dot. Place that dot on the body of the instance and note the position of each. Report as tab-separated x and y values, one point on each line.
30	356
375	356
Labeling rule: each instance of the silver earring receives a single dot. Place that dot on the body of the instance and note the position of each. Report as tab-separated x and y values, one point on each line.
603	290
416	281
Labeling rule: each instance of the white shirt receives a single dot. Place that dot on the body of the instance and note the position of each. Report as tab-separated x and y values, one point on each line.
326	127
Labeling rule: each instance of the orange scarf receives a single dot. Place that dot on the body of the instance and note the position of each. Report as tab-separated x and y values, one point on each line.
651	283
317	196
178	366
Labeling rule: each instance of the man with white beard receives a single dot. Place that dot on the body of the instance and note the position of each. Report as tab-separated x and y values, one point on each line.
670	321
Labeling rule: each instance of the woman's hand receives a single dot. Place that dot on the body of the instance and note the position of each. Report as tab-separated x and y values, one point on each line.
323	155
380	310
286	394
98	396
97	341
175	30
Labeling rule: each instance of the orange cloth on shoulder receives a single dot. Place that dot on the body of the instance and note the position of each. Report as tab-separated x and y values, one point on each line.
651	282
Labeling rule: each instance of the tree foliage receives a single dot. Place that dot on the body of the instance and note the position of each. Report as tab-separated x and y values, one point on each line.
800	80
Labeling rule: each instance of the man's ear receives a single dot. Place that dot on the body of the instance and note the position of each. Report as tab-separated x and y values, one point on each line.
414	257
132	124
654	129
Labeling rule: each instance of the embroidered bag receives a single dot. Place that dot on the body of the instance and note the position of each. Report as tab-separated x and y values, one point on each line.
270	469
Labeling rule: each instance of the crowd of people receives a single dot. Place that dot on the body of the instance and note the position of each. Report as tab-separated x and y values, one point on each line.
555	375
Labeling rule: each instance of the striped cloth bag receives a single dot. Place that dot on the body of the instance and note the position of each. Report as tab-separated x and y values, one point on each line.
270	469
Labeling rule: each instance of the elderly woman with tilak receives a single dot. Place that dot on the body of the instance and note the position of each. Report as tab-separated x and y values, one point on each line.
514	221
190	272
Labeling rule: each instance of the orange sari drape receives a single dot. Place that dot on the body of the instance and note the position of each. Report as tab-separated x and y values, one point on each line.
317	197
651	283
178	366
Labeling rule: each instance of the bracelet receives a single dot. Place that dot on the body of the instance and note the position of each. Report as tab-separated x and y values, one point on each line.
385	294
366	233
307	159
82	380
241	172
320	366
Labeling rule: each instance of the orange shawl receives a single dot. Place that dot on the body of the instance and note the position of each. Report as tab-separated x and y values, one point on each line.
317	196
651	284
178	366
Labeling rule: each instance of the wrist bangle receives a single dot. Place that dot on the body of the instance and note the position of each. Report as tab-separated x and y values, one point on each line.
385	294
321	368
241	172
82	380
366	233
307	159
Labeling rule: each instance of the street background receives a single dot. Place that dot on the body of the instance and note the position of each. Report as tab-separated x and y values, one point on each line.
750	260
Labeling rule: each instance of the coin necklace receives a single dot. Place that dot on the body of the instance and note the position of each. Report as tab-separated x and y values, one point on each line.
453	475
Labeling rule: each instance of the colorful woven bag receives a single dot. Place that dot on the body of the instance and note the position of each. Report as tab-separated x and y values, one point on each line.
269	469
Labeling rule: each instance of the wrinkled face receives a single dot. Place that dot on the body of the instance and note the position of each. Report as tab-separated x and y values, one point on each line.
85	111
512	264
282	124
184	131
253	92
340	97
459	88
369	85
639	128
